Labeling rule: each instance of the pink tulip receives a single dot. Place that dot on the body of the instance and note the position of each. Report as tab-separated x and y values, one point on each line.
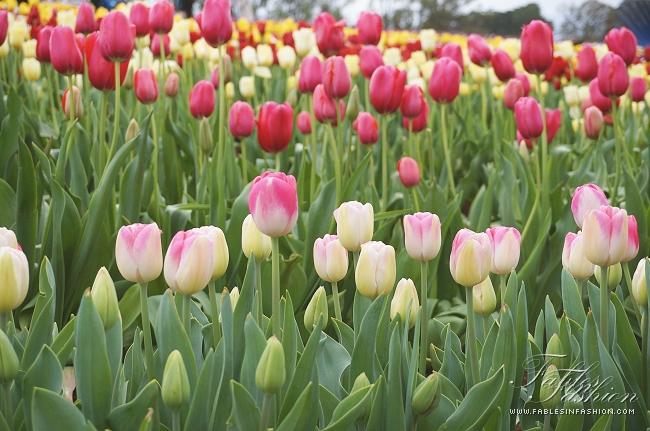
632	239
336	78
66	54
598	99
506	243
585	198
587	64
241	120
330	259
273	203
445	81
605	232
172	84
504	69
479	51
216	22
537	47
43	44
101	73
622	42
303	121
386	88
453	51
145	86
422	236
155	44
512	93
593	122
329	33
311	74
86	23
409	172
419	123
4	25
471	257
116	37
367	128
202	99
275	126
613	79
370	26
189	262
524	82
573	257
325	107
553	123
369	60
528	115
139	16
138	252
161	17
411	101
637	89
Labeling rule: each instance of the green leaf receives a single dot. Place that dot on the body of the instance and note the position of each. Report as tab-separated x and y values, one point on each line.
129	416
26	206
255	345
245	414
7	201
299	414
347	412
603	424
572	298
51	411
395	419
45	373
332	361
363	355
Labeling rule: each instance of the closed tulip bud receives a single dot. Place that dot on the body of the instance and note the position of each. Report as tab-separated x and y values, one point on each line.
632	239
427	394
513	91
247	87
205	136
275	127
639	289
189	262
14	272
132	130
454	52
31	69
369	60
316	308
304	40
303	121
367	128
354	105
172	84
614	278
175	383
586	197
503	66
587	68
155	45
264	55
485	299
422	236
409	172
336	78
249	57
419	123
286	57
573	257
445	80
241	120
613	80
359	383
43	44
597	98
553	123
354	224
428	39
9	365
528	115
66	57
29	48
411	101
622	42
550	393
138	252
202	99
161	17
311	74
105	298
8	238
253	241
139	16
4	26
375	273
230	91
406	295
537	47
637	89
505	248
330	259
101	73
233	296
325	107
146	86
352	62
78	103
556	354
370	26
329	33
116	37
479	51
85	19
273	203
129	78
471	257
522	149
216	22
605	232
219	249
271	374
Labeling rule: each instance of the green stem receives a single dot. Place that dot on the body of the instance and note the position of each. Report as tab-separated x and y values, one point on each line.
618	135
337	303
484	107
176	420
470	342
71	101
244	161
416	200
424	340
583	288
146	330
502	287
156	186
547	422
7	405
258	291
339	128
187	318
221	145
445	146
266	409
116	120
216	333
101	145
545	185
337	165
275	287
312	182
604	306
277	162
384	163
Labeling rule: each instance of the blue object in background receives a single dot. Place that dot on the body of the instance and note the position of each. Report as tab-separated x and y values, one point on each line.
635	15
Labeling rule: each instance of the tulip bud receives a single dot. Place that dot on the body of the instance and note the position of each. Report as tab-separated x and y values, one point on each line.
445	80
230	91
292	98
336	78
537	47
354	224
311	74
286	57
471	257
528	116
593	122
253	241
605	233
556	354
330	258
409	172
485	299
273	203
503	66
189	262
175	383
303	121
454	52
14	273
375	273
220	249
613	80
367	128
9	364
479	51
359	383
270	374
639	288
369	60
316	308
426	396
172	84
573	257
146	86
132	130
247	87
233	297
422	236
513	91
622	42
31	69
523	151
386	89
614	278
637	89
505	248
202	99
130	77
585	198
205	136
138	252
550	393
241	120
105	298
8	238
354	105
405	295
78	103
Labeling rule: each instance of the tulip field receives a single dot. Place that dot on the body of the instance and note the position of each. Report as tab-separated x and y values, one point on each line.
213	224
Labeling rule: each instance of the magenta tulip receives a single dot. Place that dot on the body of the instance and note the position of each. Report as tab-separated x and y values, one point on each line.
479	51
504	69
303	121
139	16
411	101
273	203
386	88
613	79
593	122
370	59
116	37
370	26
420	122
445	80
311	74
453	51
367	128
528	115
145	86
65	53
512	93
553	123
241	120
216	22
161	17
637	89
202	99
536	47
587	64
86	23
275	127
598	99
409	172
622	42
4	25
506	243
329	33
325	107
43	44
336	78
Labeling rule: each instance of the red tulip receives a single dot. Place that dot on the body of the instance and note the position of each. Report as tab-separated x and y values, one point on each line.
43	44
528	115
303	121
216	22
523	78
241	120
4	25
598	99
479	51
369	60
502	64
145	86
453	51
161	17
311	74
325	107
409	172
101	73
445	80
202	99
411	101
155	44
622	42
336	78
537	47
613	79
275	126
116	37
553	123
587	68
637	89
593	122
86	23
386	88
514	91
646	53
172	84
367	128
370	26
139	16
418	123
329	33
65	53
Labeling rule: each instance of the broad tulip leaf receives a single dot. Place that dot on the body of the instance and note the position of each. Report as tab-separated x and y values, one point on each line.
299	414
347	412
130	415
245	414
53	412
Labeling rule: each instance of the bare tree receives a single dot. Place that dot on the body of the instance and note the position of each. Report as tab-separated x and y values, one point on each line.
588	21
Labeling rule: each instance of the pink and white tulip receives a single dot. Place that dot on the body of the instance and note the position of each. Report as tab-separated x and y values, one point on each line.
330	258
354	224
605	232
632	239
189	262
506	243
376	269
586	197
253	241
471	257
219	249
422	236
138	252
573	257
8	238
273	203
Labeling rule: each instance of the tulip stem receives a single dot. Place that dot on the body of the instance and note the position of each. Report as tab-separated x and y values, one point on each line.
176	420
424	340
146	329
337	165
277	162
187	317
312	178
384	163
604	306
416	200
244	161
258	291
221	146
7	405
617	135
544	164
337	303
216	334
502	287
275	292
266	409
470	341
445	147
547	422
339	128
101	145
71	101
